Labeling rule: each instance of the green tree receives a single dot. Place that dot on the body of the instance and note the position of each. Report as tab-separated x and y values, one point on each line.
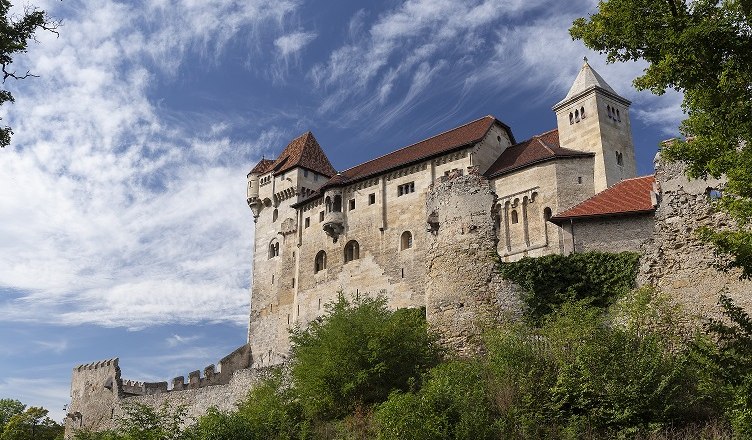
32	424
702	48
357	354
15	34
8	409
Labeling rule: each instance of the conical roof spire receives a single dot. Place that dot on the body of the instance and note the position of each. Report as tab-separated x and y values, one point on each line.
588	79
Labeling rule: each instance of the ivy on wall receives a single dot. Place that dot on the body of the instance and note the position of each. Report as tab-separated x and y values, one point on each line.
550	281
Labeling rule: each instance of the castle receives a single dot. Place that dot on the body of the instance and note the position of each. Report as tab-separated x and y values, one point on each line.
425	226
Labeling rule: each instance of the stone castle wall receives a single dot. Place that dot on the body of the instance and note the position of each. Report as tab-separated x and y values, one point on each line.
675	260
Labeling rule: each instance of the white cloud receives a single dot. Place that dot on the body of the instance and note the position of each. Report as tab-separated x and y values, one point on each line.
112	214
46	392
294	42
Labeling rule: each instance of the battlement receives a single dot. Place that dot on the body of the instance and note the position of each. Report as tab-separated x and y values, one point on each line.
219	375
97	365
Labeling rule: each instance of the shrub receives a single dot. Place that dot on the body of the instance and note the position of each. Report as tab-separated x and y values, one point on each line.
453	404
357	354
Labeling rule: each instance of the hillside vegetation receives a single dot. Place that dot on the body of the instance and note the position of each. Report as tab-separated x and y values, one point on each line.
592	359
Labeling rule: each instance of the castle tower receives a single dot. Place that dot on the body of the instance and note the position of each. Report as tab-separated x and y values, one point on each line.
593	117
273	187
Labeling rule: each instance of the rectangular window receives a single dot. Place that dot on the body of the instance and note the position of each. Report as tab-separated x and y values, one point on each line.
305	173
321	216
293	282
405	188
307	222
351	204
371	198
315	177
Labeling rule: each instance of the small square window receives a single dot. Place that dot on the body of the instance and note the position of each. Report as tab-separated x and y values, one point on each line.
371	198
351	204
321	216
406	188
307	222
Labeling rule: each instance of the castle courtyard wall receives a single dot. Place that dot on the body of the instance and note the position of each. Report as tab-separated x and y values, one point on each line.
608	234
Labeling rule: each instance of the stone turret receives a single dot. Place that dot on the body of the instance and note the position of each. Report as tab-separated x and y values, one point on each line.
593	117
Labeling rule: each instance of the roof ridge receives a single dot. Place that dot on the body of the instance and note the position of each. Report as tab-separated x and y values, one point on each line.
545	145
422	140
535	136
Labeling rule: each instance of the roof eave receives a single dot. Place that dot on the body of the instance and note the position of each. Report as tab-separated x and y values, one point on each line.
611	95
561	219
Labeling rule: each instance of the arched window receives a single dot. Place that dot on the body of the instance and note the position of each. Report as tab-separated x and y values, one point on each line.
576	116
337	207
515	219
406	240
571	118
273	249
275	214
608	109
352	251
547	213
619	159
618	115
328	203
582	112
320	263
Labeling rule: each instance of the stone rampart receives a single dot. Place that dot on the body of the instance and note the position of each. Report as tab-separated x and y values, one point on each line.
674	260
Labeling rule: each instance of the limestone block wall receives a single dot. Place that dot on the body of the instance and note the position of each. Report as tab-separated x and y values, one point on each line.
464	291
608	234
674	260
95	390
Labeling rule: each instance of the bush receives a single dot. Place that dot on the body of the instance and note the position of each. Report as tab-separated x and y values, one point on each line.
357	354
452	404
553	280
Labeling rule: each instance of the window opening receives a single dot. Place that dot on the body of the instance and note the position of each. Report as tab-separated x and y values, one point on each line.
275	214
307	222
579	179
273	249
608	109
515	217
321	216
320	263
405	188
576	116
351	204
352	251
337	206
406	240
305	173
547	214
619	159
571	118
582	112
371	198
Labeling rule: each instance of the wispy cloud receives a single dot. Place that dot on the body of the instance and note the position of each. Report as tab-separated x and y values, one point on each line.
176	340
113	214
294	42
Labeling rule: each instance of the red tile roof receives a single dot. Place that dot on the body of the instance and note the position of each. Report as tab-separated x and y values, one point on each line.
304	151
539	148
263	166
630	196
442	143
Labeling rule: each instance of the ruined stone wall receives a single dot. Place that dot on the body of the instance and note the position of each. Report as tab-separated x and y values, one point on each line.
464	291
94	394
674	260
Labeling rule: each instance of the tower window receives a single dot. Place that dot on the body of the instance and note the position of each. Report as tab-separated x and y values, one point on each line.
352	251
351	204
275	215
579	179
608	109
576	116
307	222
273	249
619	159
582	112
371	198
320	262
515	218
618	115
406	240
571	118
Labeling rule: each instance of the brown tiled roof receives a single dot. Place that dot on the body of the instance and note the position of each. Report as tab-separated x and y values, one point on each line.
539	148
442	143
630	196
263	166
304	151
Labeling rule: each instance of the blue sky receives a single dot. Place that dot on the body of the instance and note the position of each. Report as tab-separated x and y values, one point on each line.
124	227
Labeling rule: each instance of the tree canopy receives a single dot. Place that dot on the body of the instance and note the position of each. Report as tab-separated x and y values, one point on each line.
15	34
702	48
